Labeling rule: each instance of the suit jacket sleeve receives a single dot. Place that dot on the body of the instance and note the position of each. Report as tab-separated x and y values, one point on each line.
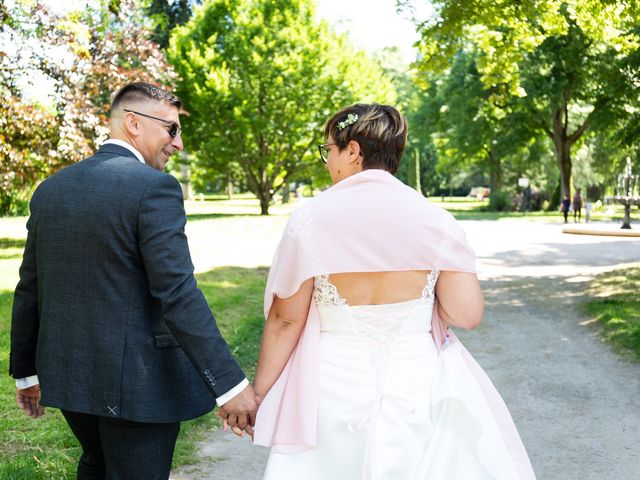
165	252
24	318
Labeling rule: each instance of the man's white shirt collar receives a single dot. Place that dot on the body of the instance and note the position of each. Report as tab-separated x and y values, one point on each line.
127	146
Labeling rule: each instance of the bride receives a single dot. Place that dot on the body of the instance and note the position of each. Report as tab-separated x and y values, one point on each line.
359	373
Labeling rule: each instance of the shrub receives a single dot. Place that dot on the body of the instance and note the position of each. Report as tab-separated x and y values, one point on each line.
500	201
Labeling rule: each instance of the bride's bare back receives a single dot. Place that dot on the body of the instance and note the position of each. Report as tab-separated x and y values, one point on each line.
375	288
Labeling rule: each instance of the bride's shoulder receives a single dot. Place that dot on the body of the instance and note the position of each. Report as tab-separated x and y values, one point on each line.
426	207
314	205
300	220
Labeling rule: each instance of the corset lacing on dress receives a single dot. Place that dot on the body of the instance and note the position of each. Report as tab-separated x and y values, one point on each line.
378	326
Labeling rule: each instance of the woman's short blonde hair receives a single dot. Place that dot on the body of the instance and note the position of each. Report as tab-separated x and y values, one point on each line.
380	130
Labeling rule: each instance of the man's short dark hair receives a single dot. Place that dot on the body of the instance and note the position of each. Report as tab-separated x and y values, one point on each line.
139	91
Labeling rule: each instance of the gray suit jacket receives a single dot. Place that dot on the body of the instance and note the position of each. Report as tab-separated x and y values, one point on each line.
107	312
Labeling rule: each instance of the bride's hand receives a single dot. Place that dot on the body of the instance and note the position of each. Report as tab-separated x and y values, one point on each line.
222	413
249	428
237	430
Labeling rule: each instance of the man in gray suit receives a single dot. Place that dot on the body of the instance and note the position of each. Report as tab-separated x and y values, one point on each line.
108	323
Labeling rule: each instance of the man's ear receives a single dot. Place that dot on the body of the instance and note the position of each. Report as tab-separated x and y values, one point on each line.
131	123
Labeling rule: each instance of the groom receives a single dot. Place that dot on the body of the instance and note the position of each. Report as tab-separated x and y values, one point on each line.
108	324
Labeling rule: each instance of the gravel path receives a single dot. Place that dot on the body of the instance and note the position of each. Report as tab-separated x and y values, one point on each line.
575	403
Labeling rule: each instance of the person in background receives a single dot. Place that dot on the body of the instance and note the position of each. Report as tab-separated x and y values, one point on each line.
565	205
587	210
577	206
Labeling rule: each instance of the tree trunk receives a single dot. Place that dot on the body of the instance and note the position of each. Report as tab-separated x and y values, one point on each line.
264	196
185	175
414	171
229	187
264	204
562	143
495	168
563	151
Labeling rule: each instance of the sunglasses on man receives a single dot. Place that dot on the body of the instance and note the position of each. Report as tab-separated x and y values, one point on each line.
174	129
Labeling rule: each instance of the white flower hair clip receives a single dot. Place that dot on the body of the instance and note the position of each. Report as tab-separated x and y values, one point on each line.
351	119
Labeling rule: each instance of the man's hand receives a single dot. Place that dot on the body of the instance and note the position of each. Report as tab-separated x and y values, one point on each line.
240	412
29	401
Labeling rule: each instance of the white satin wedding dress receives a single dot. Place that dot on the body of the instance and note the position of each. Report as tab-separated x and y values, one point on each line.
390	406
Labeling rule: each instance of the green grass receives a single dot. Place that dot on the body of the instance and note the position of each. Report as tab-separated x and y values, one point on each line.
30	449
616	310
465	208
235	296
239	206
11	248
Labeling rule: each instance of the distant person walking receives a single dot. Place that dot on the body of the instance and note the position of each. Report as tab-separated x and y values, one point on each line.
587	210
577	206
564	206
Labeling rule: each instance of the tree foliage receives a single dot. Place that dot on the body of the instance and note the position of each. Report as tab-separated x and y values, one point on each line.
28	141
564	66
473	132
259	78
86	56
575	85
505	31
28	131
111	47
167	15
412	101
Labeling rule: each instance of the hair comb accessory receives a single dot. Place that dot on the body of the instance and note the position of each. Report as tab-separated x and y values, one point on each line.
350	120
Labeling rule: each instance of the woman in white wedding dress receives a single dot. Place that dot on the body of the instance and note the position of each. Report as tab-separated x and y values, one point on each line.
359	375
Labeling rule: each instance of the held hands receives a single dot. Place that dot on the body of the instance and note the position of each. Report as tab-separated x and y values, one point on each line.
239	413
29	401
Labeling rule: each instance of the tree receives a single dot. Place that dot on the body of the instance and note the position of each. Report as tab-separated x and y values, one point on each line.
167	15
568	61
86	56
111	47
28	139
573	86
259	78
414	171
411	102
473	133
28	131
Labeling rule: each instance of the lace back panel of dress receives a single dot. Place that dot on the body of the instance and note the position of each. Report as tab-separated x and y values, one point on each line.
326	293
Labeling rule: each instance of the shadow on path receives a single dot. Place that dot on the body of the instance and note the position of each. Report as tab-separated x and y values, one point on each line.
561	383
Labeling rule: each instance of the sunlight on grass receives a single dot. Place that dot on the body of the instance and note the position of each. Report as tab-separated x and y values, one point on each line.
235	297
243	206
35	449
616	309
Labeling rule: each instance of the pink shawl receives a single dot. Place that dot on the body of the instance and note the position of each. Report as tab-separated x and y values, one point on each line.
368	222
